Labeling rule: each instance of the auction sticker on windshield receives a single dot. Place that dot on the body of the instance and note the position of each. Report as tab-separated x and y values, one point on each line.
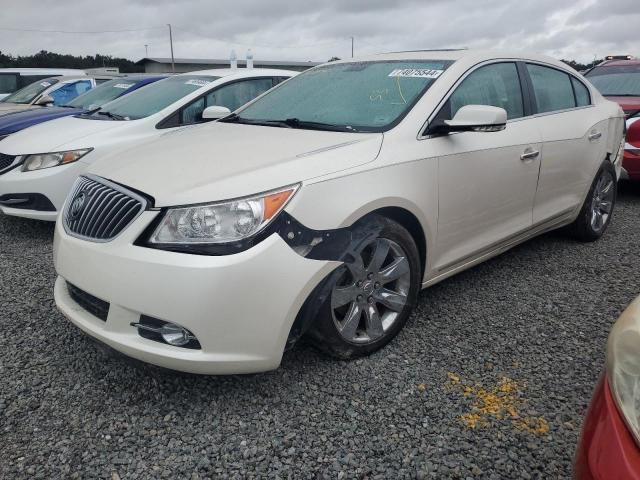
197	83
122	85
416	72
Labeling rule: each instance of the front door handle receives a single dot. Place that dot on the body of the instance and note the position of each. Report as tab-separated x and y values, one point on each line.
595	135
529	154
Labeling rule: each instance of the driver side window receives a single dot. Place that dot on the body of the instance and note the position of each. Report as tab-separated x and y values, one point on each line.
496	85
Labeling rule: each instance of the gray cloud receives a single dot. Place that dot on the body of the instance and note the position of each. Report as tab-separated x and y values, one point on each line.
284	29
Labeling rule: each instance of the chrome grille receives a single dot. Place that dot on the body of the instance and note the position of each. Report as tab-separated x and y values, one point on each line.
6	161
98	210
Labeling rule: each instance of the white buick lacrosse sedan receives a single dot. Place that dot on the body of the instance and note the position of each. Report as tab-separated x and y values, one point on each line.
324	206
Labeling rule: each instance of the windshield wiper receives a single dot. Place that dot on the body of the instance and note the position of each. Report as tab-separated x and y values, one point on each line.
305	124
113	116
620	95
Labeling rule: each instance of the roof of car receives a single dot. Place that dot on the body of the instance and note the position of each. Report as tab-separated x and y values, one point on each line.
472	55
63	78
619	63
240	72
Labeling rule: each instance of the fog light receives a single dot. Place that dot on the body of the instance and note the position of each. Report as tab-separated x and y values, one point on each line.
175	335
166	332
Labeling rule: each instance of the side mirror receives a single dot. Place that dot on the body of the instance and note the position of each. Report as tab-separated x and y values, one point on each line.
476	118
215	112
45	100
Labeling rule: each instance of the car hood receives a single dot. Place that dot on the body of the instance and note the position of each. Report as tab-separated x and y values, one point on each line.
7	108
55	135
220	161
26	118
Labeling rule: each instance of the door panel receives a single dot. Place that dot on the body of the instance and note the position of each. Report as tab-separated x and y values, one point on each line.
486	191
574	144
569	161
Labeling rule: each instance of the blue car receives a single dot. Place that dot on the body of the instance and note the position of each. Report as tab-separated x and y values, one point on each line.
87	102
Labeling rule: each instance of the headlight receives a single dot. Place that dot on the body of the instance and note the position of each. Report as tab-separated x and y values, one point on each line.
623	366
222	222
46	160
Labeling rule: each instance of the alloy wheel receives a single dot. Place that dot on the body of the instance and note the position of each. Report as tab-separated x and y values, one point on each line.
371	293
602	201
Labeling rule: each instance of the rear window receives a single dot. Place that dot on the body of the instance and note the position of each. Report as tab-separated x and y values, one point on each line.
616	81
153	98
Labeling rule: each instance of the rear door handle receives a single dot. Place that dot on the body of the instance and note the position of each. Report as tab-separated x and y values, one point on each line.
594	135
529	154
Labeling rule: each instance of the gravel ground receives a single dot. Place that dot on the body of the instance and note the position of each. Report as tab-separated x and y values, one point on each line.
490	378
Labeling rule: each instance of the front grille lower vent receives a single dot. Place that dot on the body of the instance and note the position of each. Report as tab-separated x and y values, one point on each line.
96	307
6	161
98	210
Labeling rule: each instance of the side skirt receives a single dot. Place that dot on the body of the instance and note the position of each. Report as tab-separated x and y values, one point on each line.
558	221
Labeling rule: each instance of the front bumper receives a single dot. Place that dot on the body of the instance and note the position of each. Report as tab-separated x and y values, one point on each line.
606	448
52	183
240	307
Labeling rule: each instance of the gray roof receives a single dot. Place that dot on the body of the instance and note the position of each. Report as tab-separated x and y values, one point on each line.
225	61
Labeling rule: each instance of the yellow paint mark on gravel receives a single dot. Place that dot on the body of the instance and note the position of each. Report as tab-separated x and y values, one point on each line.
500	403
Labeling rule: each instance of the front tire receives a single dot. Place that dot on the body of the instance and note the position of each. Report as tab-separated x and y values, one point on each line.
596	212
371	296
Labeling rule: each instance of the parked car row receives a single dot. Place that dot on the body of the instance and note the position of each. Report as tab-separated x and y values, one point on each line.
323	206
30	187
13	79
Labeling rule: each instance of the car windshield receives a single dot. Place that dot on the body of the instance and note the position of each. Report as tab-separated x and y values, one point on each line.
102	94
30	92
616	81
360	96
152	98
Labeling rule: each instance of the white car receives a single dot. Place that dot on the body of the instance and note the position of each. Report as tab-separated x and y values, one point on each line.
12	79
50	91
38	165
324	206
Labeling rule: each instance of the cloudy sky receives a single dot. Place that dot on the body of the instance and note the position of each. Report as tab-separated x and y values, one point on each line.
318	30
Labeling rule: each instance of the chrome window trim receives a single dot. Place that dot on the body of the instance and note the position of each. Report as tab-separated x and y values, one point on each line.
119	188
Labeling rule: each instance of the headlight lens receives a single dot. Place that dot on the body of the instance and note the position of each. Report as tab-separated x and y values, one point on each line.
623	366
221	222
39	161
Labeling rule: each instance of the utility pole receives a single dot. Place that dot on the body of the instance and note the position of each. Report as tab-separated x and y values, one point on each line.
173	65
351	47
146	50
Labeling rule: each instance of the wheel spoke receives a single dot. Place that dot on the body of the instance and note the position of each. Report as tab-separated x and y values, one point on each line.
607	188
351	321
596	220
356	267
374	322
343	295
394	270
379	255
392	300
605	206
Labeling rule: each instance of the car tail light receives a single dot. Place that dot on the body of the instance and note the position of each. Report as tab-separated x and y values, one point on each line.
633	132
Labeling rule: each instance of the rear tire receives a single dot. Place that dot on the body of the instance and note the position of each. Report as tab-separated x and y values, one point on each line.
597	209
370	297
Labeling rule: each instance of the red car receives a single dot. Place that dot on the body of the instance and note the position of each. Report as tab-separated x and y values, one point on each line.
609	444
619	81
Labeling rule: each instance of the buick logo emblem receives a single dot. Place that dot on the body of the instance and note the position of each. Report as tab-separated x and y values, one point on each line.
77	206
